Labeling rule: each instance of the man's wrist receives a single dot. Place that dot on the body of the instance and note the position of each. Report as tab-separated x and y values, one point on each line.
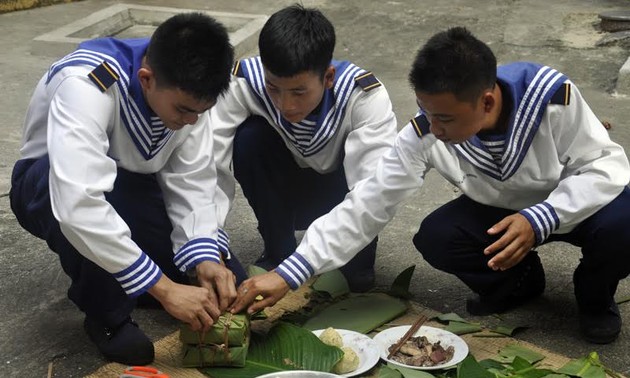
196	251
161	287
295	270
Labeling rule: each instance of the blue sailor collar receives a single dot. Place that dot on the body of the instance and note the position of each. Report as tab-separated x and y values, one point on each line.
310	135
117	61
530	87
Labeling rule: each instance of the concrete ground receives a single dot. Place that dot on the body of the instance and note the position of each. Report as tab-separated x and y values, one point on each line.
38	325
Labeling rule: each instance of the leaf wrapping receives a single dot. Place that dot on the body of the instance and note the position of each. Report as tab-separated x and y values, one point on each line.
229	329
225	344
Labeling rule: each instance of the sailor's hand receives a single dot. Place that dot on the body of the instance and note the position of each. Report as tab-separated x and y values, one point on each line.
517	240
270	286
220	282
190	304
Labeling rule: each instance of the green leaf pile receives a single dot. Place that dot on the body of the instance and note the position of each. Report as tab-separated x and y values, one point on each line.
516	362
285	347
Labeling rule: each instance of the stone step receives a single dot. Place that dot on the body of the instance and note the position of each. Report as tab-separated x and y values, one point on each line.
134	21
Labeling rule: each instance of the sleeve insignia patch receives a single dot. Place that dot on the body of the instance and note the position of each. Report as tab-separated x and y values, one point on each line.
562	95
367	81
238	69
103	76
421	125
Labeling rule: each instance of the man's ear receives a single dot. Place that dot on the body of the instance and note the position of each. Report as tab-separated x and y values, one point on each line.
489	101
329	77
146	78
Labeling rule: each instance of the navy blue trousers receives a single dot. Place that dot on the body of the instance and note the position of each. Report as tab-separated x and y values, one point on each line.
453	238
137	198
284	196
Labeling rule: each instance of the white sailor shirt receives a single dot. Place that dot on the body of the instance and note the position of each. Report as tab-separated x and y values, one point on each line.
559	167
88	114
355	125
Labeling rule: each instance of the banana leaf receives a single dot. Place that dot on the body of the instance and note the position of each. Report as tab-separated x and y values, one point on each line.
450	317
385	371
214	355
508	329
460	328
491	364
585	367
400	286
228	329
254	270
332	283
523	368
470	368
510	351
410	373
361	313
285	347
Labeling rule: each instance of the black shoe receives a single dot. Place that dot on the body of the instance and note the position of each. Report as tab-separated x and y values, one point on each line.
482	306
125	343
359	272
360	281
521	288
601	327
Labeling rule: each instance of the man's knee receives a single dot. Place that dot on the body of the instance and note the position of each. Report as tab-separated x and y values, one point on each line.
30	196
432	241
252	137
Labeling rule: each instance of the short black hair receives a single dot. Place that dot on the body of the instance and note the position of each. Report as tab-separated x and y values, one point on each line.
192	52
296	39
454	61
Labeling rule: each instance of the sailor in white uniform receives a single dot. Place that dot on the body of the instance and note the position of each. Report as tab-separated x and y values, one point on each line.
534	165
117	175
301	131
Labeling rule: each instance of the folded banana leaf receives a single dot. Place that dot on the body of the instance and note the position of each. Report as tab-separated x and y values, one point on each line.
229	329
215	355
361	313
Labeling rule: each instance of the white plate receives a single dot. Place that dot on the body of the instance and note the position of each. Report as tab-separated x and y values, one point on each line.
366	348
391	335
